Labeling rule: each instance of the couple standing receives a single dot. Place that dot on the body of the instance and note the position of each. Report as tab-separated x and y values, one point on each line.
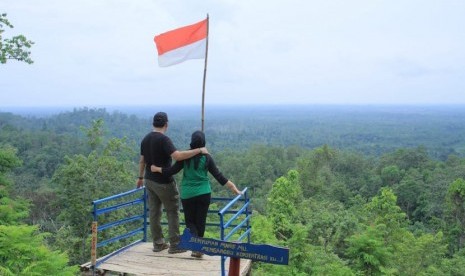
156	154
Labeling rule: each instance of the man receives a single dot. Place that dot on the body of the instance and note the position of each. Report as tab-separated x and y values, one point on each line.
156	148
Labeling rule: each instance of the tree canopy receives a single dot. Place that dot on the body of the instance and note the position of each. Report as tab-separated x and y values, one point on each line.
15	47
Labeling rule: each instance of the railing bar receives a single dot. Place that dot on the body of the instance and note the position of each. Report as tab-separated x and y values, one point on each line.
244	234
119	222
215	199
232	202
119	206
234	230
236	215
117	238
98	201
207	224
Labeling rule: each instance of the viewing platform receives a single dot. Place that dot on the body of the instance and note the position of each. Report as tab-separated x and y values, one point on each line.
135	256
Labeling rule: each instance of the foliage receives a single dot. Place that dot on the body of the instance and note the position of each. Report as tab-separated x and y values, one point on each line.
15	47
12	210
23	253
257	169
22	247
419	255
306	259
83	179
383	209
94	134
8	161
455	265
456	203
329	223
283	202
368	251
263	231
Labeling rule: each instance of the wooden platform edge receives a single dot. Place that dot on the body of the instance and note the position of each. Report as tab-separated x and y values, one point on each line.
86	268
247	269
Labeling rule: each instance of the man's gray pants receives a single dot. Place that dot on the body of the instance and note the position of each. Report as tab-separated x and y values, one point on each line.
166	195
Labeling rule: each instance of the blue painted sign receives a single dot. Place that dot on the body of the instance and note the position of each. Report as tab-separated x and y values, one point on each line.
257	252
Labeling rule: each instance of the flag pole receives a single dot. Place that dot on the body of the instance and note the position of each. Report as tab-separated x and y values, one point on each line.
205	76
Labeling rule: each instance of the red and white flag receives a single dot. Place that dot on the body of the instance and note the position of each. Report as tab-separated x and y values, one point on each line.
188	42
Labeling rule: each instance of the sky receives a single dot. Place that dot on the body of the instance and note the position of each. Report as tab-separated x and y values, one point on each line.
101	53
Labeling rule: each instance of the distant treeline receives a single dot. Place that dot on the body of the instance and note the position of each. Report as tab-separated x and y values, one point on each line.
371	130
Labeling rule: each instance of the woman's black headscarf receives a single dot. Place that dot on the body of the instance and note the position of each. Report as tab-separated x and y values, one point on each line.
197	141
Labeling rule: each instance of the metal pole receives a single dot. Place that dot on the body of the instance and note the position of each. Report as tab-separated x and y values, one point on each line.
223	258
93	252
246	200
145	215
205	77
234	266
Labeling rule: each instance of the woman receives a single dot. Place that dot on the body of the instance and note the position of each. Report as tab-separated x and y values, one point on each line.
195	186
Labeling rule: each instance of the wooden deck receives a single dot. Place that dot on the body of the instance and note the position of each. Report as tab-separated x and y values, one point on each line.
140	260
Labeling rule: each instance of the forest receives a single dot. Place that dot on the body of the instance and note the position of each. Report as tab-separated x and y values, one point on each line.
350	190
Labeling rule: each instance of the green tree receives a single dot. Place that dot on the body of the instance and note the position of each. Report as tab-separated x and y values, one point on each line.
258	168
419	255
283	202
23	252
263	231
304	258
369	252
456	203
386	246
405	159
82	179
12	210
384	210
391	175
371	249
328	223
15	47
455	265
94	134
409	191
315	170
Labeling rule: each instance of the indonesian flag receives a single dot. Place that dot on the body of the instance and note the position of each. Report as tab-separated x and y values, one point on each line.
176	46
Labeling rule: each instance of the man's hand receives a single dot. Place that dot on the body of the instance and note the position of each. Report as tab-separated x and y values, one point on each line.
140	183
203	150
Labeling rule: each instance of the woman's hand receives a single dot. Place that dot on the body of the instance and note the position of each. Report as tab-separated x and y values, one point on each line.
233	188
154	168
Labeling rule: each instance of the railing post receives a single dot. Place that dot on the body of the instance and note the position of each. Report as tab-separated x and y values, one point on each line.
246	200
222	238
145	215
93	250
95	261
234	266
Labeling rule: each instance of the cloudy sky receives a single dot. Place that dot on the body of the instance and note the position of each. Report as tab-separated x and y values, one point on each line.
101	52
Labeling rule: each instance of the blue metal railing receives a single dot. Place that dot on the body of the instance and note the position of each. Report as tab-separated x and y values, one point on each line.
140	199
234	220
244	223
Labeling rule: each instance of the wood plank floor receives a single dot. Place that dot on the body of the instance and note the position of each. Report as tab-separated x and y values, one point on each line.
140	260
